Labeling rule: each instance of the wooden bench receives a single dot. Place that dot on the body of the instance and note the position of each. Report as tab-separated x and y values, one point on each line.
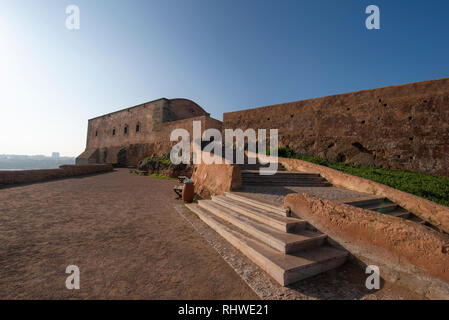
178	188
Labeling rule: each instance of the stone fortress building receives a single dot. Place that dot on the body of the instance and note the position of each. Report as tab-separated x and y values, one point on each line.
124	137
404	127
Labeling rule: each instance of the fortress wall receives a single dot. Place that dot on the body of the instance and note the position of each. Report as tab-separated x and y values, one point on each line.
405	127
156	120
161	138
159	142
183	109
151	117
104	125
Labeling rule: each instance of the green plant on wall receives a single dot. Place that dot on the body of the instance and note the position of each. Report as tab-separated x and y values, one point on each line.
164	159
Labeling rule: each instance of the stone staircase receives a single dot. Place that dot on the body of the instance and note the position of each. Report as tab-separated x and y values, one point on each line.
288	179
385	206
256	166
251	176
287	248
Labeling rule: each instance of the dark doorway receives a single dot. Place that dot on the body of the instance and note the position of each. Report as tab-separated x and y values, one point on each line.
122	158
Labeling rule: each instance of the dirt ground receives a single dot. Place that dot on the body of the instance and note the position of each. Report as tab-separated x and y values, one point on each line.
120	230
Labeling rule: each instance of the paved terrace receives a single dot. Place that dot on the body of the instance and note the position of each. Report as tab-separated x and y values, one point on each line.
123	233
129	241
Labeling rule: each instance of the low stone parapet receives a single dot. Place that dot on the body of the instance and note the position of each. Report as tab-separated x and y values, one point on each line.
64	171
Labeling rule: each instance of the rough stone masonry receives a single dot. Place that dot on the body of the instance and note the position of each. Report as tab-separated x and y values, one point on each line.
124	137
404	127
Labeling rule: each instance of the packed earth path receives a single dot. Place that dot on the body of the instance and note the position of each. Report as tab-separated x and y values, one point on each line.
123	233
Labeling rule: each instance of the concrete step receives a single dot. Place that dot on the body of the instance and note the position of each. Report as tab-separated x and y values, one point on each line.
287	173
282	241
281	178
253	167
258	204
281	175
280	182
382	207
365	202
278	178
285	183
257	165
279	170
284	268
400	213
416	219
270	219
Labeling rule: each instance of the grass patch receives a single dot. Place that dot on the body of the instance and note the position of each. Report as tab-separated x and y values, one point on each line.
423	185
161	176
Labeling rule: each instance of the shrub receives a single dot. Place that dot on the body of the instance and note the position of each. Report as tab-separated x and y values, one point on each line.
154	162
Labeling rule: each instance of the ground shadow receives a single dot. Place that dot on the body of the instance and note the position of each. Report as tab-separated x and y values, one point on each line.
347	282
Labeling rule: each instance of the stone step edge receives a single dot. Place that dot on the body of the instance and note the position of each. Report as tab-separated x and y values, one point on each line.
275	178
263	232
286	184
259	204
249	248
285	173
356	202
268	218
265	264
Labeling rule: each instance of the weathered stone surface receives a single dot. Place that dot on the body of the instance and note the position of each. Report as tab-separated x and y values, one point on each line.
404	126
406	252
88	156
362	159
216	179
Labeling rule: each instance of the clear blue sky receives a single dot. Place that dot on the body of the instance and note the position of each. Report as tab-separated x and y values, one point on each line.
224	54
